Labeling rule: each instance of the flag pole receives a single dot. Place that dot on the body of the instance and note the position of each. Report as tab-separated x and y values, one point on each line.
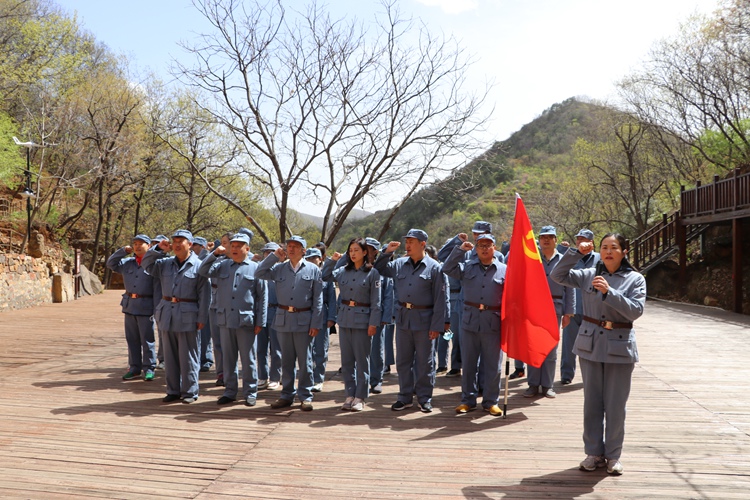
505	400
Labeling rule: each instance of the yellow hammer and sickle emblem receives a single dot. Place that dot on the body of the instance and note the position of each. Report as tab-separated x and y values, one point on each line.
533	252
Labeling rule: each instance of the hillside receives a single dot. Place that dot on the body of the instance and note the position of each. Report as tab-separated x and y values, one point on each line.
485	188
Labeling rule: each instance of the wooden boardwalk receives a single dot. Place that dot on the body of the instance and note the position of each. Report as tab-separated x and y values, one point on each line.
71	428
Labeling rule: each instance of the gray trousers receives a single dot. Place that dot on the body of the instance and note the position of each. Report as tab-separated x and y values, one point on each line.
485	345
181	363
414	348
568	359
239	341
296	348
216	341
139	334
545	374
606	387
355	361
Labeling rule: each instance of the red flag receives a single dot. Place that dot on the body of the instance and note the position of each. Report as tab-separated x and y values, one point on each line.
529	327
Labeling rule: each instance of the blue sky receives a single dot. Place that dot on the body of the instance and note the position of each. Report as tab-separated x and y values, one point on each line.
538	52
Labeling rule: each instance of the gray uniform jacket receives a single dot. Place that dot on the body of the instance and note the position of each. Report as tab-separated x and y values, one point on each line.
445	252
241	300
330	312
137	282
386	291
422	286
587	261
358	286
622	304
479	287
187	291
301	290
562	296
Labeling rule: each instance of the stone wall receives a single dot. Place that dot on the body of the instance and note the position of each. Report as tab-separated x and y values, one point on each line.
25	281
42	275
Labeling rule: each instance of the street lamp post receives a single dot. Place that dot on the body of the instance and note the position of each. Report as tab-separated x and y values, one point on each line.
27	192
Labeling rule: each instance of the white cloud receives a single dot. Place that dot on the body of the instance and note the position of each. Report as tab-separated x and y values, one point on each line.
451	6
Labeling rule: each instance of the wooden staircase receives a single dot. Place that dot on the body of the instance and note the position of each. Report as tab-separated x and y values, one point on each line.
724	200
660	242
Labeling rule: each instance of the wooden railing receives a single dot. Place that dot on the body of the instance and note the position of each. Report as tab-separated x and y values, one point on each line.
660	242
721	200
721	196
654	243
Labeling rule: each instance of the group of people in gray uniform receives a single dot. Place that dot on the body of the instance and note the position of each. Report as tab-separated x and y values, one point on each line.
274	312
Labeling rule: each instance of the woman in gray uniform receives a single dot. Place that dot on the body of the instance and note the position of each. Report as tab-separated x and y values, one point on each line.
614	295
358	318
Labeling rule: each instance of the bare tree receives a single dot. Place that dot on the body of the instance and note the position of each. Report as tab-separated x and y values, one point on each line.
329	110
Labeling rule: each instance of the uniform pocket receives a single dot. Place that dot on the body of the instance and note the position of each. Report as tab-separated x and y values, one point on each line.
221	316
189	312
585	340
617	347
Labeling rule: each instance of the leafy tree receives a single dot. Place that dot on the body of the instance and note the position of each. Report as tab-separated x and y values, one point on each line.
697	85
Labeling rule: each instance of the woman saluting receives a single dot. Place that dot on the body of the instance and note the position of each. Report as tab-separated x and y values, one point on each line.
614	295
358	318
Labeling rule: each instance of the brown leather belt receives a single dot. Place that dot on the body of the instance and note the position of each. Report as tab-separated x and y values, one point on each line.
136	296
482	307
175	299
354	303
409	305
293	309
607	325
557	296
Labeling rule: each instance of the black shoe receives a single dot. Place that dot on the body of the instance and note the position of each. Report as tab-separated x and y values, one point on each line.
187	401
441	369
306	406
169	398
250	401
566	381
398	406
387	369
220	381
224	400
281	403
425	407
517	374
205	367
455	372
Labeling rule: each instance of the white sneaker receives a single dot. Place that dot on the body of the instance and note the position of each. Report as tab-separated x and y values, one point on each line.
262	384
272	386
614	467
347	406
592	462
358	404
317	387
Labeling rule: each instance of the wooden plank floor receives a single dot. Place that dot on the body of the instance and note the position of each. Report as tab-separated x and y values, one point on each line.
71	428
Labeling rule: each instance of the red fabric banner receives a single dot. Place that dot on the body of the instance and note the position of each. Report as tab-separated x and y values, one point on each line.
529	323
